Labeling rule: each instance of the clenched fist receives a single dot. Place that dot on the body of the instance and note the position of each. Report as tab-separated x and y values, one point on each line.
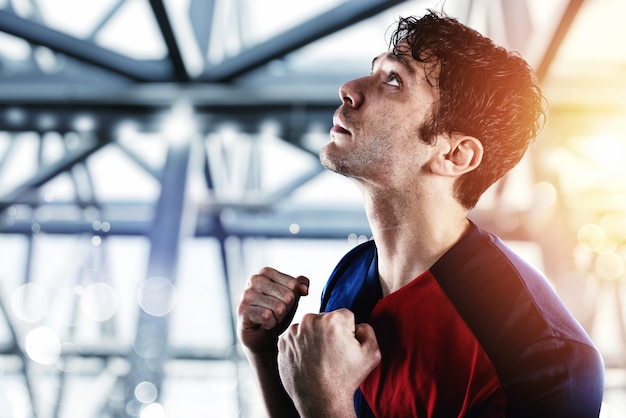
267	307
323	360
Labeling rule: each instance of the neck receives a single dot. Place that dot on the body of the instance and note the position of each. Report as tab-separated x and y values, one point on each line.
411	234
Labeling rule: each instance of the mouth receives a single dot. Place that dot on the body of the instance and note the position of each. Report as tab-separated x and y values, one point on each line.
338	127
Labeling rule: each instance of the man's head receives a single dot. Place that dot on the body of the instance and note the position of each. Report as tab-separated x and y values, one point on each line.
484	91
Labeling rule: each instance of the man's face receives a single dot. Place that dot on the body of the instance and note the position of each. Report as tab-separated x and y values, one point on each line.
375	131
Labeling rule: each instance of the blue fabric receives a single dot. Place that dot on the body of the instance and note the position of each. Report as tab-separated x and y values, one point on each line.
354	283
359	294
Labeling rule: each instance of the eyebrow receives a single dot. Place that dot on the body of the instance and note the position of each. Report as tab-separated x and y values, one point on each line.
398	58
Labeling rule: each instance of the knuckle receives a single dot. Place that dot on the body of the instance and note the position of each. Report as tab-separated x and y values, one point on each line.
265	319
345	315
255	280
308	318
266	271
266	315
280	309
247	296
289	298
292	285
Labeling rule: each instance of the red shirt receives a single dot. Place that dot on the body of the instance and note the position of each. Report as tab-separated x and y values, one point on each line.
449	376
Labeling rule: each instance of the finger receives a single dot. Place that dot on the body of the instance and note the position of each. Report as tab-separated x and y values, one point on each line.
309	321
281	279
256	317
266	288
265	310
275	284
345	316
365	334
303	285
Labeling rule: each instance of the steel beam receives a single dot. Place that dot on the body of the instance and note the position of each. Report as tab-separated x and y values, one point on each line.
106	19
180	72
341	17
151	341
48	173
213	105
83	50
243	221
201	15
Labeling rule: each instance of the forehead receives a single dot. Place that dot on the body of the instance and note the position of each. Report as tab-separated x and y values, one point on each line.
404	59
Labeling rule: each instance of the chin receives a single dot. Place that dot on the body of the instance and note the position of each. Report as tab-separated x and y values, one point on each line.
332	158
335	166
325	159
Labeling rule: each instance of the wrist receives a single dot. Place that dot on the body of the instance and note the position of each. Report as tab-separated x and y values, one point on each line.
335	405
267	356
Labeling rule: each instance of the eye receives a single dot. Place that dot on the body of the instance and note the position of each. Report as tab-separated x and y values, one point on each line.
393	80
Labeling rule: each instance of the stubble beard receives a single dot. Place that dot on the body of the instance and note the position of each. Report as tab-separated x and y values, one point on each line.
359	160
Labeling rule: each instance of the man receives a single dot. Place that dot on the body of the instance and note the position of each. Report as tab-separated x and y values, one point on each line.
434	317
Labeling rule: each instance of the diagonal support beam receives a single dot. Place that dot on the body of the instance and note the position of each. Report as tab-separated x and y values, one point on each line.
563	26
201	15
106	19
84	51
180	72
48	173
342	16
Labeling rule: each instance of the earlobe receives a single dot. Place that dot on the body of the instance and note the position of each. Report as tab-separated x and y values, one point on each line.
464	154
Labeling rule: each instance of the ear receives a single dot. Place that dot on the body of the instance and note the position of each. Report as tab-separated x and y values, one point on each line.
460	154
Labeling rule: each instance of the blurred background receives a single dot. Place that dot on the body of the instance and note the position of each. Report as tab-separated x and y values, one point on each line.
155	153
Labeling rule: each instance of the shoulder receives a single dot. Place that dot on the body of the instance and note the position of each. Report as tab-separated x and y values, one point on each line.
488	282
542	355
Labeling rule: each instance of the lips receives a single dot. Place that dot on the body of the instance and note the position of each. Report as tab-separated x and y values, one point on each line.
338	127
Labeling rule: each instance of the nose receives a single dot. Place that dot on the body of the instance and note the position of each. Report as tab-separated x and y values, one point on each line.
351	94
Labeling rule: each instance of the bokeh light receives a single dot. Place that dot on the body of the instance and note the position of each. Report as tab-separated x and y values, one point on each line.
609	266
30	302
43	346
294	229
592	237
99	301
157	296
146	392
153	410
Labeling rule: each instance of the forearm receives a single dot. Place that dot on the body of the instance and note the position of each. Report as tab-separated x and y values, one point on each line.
265	370
279	404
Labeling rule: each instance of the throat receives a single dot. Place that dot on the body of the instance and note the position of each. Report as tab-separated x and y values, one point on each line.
392	282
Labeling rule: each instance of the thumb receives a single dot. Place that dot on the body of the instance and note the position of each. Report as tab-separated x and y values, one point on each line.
303	285
365	334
